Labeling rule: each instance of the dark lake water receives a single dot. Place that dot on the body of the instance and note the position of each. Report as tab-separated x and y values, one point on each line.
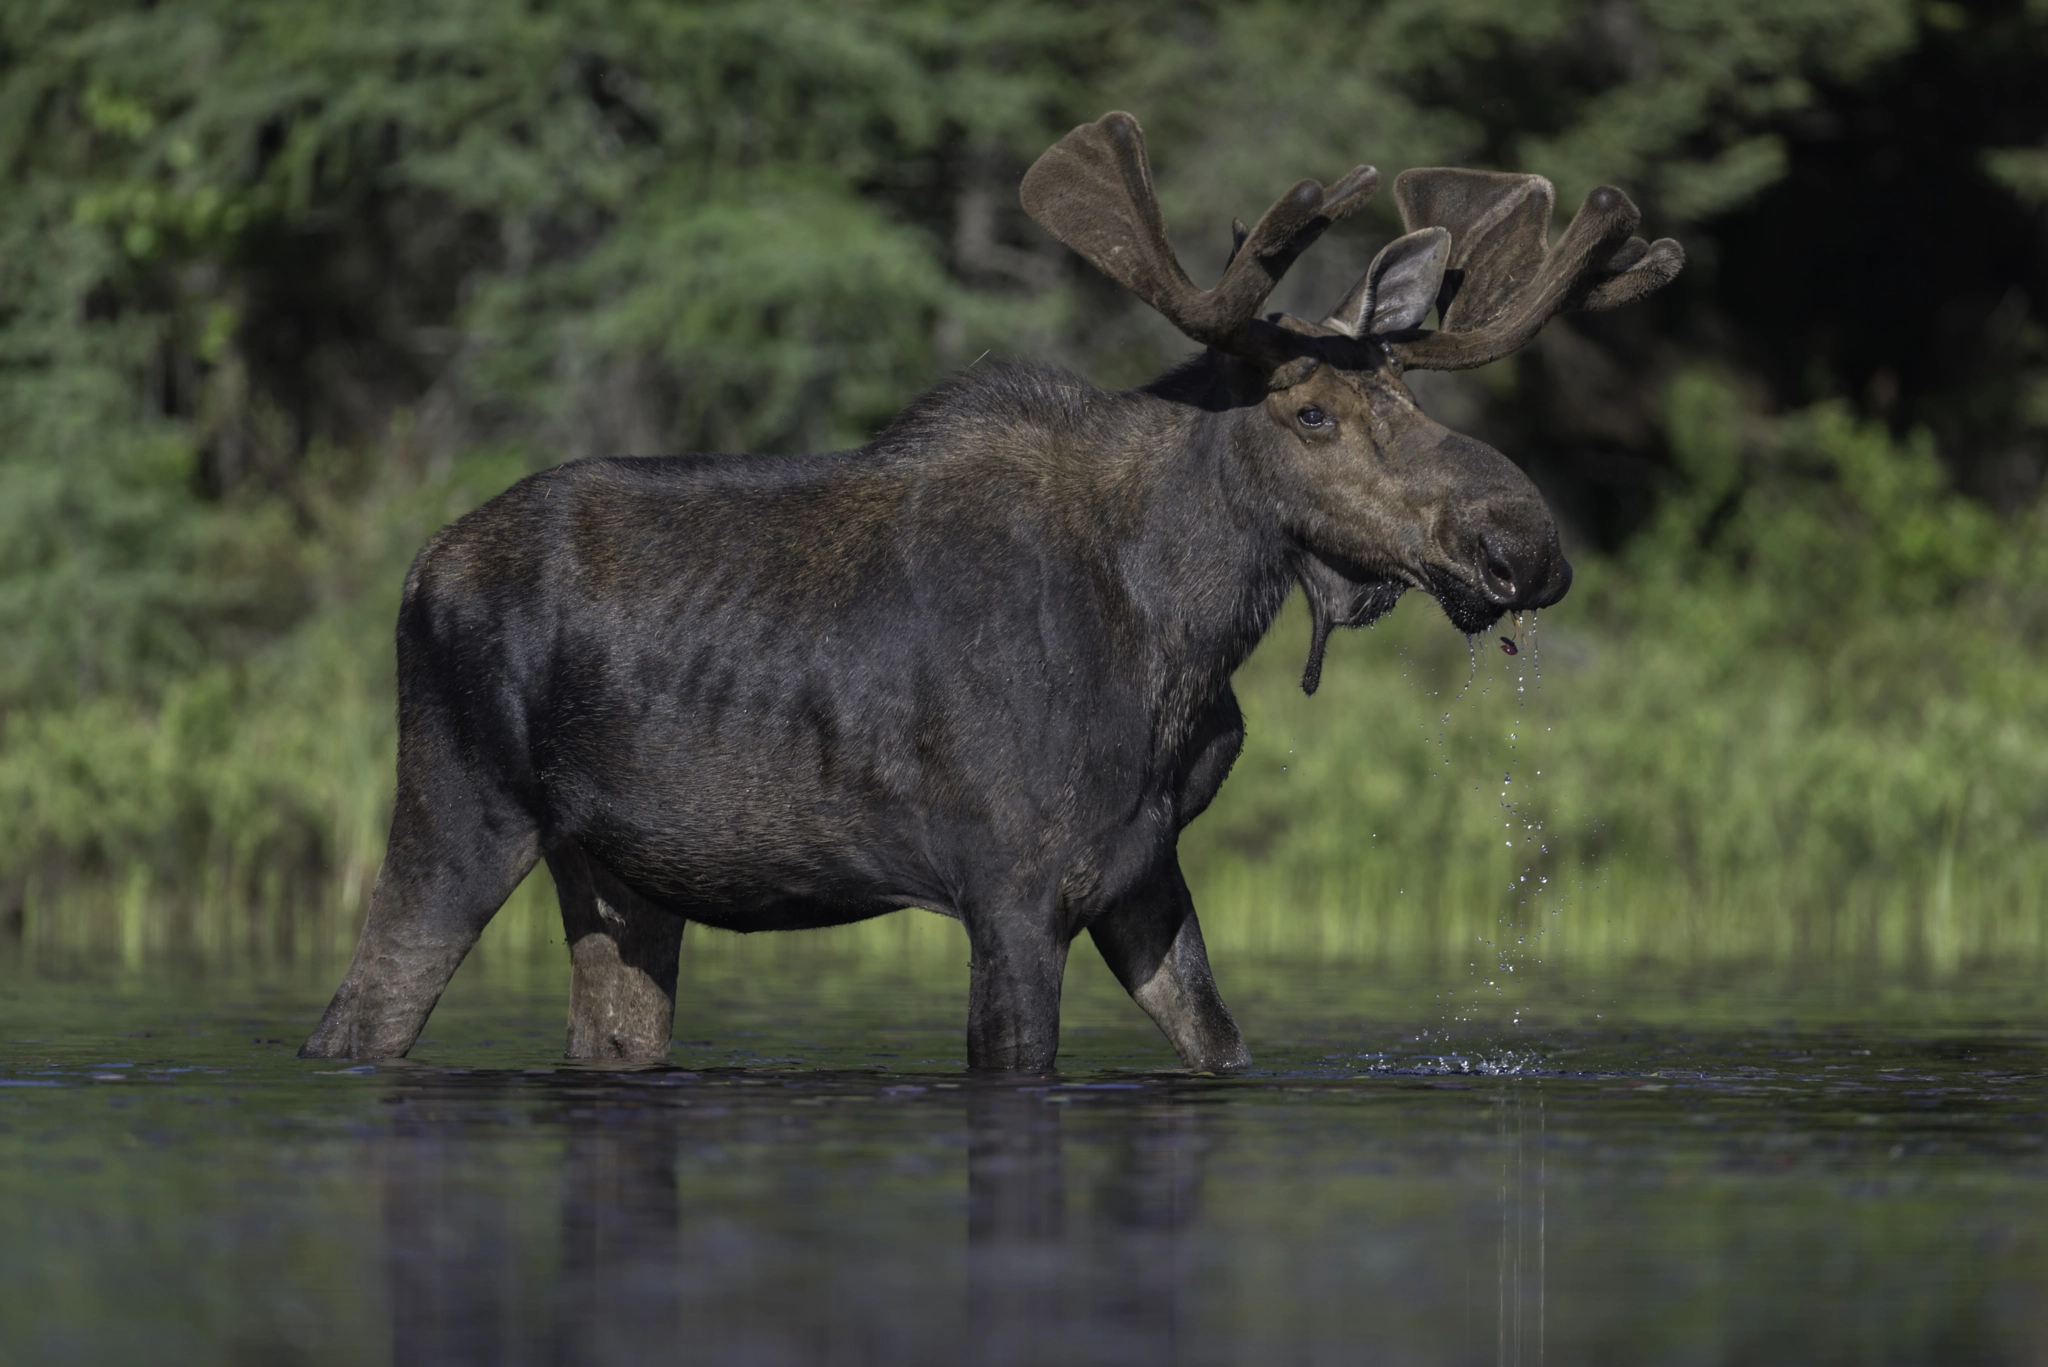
1759	1168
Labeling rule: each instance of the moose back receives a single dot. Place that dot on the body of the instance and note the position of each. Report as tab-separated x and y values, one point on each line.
980	665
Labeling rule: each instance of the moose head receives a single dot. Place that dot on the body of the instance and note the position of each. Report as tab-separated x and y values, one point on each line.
1375	496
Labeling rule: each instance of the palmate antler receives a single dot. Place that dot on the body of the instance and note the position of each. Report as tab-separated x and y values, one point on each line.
1485	233
1093	191
1502	282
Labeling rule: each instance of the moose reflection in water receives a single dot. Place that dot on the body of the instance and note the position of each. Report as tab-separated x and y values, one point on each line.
1037	1225
981	665
1032	1270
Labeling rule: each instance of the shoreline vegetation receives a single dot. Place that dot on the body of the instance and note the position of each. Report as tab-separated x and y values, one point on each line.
283	290
1804	718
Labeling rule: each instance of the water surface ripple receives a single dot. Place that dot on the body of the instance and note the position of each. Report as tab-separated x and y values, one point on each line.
179	1189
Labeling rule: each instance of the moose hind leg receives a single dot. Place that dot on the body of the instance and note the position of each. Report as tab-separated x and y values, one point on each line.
1153	943
622	957
454	857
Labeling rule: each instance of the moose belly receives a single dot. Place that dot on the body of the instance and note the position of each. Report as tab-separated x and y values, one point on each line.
742	874
776	911
748	866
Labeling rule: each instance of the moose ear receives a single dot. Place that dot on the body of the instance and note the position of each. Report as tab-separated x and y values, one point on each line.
1398	289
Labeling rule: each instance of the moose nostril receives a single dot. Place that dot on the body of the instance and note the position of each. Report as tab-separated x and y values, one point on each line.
1499	576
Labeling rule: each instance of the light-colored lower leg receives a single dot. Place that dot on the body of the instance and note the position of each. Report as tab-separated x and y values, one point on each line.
1153	944
426	912
622	956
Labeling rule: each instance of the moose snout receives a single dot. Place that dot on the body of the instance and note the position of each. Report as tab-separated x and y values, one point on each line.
1519	571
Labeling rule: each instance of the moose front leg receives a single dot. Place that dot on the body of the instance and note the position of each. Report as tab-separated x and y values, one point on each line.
1013	998
622	957
1153	944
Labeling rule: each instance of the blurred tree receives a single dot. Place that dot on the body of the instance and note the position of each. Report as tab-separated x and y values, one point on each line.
1899	262
257	256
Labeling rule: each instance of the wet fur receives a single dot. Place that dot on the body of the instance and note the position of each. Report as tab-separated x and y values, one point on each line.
980	665
772	692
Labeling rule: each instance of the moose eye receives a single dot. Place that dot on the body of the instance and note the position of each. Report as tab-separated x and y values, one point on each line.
1311	416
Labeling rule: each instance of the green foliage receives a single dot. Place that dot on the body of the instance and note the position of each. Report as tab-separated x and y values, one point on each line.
246	776
282	288
1809	706
1816	518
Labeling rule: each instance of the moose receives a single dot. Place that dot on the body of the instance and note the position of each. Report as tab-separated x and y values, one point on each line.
980	665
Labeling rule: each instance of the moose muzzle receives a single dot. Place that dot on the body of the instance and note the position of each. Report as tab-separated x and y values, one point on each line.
1521	569
1506	558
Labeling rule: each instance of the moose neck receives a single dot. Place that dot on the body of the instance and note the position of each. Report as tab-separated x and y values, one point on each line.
1205	563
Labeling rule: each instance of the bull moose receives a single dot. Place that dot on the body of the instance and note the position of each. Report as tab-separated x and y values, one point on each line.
980	665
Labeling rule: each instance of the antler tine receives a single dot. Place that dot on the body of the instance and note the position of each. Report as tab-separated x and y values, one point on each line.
1093	191
1502	283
